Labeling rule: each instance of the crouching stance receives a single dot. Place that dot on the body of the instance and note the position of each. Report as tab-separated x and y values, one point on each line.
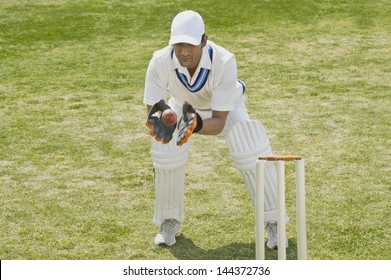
198	80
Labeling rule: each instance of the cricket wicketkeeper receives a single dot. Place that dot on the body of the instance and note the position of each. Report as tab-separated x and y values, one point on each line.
198	80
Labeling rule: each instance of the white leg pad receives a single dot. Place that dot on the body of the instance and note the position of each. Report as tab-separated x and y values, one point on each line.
247	140
169	162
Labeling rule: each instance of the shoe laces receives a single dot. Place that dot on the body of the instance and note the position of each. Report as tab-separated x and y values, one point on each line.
272	228
168	225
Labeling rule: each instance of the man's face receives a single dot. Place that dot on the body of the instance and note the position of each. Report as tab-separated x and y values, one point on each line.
188	55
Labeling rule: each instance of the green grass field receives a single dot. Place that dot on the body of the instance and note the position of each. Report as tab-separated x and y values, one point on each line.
76	180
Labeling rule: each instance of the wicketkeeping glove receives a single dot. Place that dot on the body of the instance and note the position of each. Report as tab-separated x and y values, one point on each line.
189	123
157	129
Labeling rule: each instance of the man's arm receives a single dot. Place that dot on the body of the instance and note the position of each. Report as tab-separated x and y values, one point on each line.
215	124
191	122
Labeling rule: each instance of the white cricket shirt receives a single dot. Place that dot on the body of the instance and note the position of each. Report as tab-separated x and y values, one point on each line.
214	85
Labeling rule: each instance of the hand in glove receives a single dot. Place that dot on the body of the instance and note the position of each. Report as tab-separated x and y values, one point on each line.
189	123
157	128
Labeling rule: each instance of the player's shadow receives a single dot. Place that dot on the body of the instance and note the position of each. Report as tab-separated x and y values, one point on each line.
185	249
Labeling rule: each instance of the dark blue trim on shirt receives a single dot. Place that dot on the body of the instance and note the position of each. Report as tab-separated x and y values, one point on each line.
201	78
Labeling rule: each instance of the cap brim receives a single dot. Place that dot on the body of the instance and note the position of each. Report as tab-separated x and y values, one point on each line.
184	39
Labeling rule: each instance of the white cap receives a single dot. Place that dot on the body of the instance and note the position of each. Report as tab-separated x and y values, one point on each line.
187	27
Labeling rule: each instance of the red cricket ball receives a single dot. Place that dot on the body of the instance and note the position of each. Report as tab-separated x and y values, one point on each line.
169	117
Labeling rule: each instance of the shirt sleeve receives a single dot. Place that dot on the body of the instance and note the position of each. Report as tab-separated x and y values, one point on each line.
227	89
156	82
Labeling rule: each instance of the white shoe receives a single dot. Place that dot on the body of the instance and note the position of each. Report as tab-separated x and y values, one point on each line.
272	236
168	230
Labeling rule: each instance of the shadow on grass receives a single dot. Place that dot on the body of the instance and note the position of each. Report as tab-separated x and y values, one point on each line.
185	249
